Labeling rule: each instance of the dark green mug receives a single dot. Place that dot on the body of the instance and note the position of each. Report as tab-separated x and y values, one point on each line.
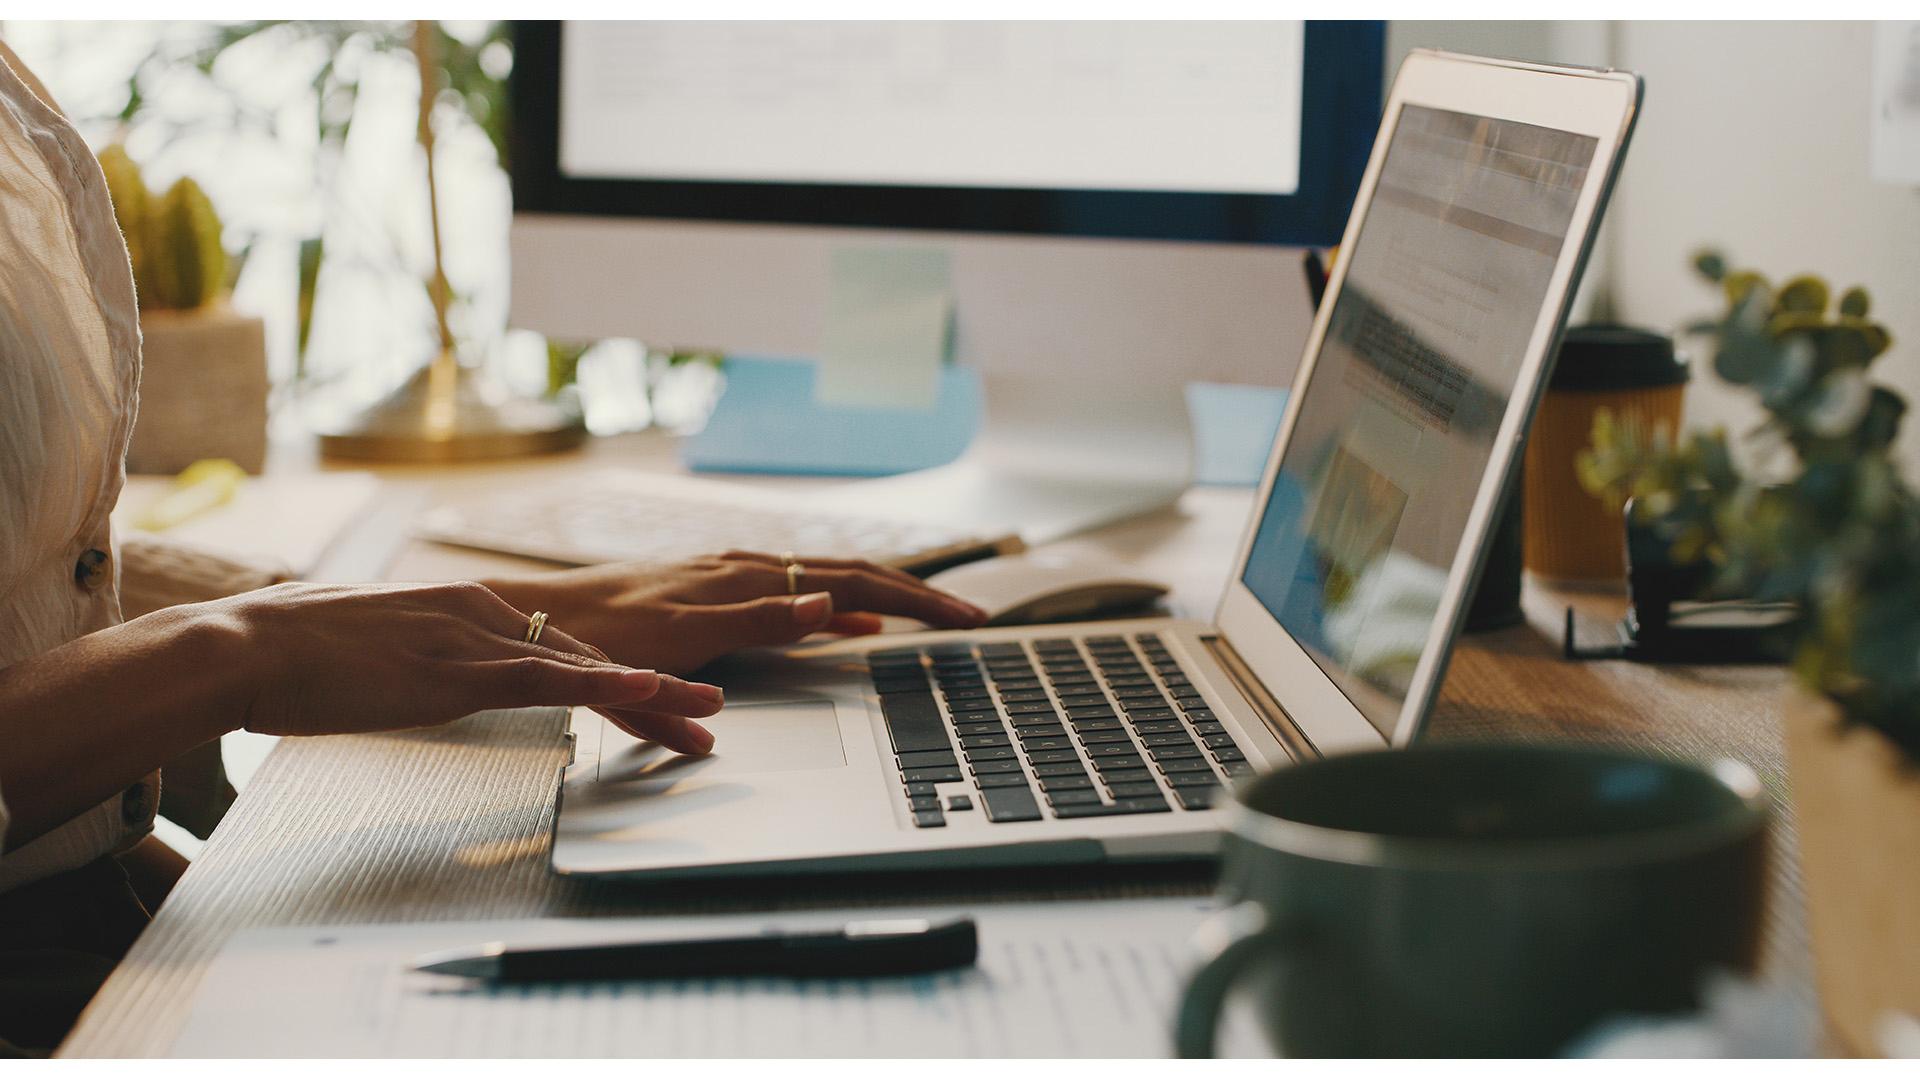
1475	900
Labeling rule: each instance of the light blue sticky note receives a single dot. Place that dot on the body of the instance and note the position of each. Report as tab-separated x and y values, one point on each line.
1233	431
889	319
767	421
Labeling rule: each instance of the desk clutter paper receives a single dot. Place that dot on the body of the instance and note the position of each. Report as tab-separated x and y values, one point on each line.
889	328
1075	979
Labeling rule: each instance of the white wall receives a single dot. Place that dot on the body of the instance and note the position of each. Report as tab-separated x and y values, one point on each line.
1754	139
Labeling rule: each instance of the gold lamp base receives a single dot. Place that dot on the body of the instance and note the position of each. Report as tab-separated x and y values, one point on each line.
446	413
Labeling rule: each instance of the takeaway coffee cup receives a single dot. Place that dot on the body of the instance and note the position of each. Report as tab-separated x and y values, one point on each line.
1477	900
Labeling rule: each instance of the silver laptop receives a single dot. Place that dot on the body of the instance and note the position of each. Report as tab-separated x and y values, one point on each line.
1112	741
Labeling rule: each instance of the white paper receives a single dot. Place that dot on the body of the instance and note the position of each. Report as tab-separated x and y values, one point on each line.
1071	979
1895	122
288	520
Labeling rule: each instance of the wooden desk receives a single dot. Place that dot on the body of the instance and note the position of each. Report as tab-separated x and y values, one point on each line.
452	823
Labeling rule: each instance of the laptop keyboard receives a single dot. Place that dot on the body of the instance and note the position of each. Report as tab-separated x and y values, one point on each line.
1060	727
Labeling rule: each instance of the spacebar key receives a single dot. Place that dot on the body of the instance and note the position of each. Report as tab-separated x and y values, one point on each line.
913	722
1010	804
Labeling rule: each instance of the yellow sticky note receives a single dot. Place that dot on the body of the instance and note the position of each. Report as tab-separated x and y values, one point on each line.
889	320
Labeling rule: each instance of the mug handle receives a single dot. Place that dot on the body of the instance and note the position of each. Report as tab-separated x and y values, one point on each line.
1230	941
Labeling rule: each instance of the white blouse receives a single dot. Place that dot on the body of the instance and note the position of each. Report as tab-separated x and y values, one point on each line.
69	366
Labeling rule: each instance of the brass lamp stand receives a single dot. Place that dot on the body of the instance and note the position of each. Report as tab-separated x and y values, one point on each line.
447	411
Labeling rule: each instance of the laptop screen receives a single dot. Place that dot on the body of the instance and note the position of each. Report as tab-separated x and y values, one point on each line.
1397	422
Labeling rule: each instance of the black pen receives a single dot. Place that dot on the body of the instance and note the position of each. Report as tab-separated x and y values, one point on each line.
878	947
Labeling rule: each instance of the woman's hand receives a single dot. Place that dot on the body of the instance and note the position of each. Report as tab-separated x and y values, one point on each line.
680	617
335	658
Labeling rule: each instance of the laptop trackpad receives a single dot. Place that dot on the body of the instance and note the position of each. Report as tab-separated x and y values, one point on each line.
779	736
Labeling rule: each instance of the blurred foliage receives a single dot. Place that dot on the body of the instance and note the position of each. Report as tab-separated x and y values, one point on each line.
173	240
474	59
1818	514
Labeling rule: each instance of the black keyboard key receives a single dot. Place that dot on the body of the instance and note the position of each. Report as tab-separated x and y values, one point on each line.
981	742
1107	750
942	649
943	775
1221	741
1137	715
1010	804
1195	764
1140	693
900	686
1195	798
1192	779
980	727
1055	644
1023	695
1073	797
1134	789
1190	701
1092	713
1210	727
1046	742
991	753
1033	723
1019	684
1082	701
1105	765
1052	757
1168	753
1004	765
920	759
1198	715
913	722
1159	727
1073	782
894	656
929	819
1097	723
1153	805
1109	735
1237	769
1004	779
1129	680
1021	708
1228	753
1040	731
1167	738
924	802
973	693
1003	648
959	802
919	789
1075	767
1125	776
977	716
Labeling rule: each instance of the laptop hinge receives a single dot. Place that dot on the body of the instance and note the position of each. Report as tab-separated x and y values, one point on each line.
1292	739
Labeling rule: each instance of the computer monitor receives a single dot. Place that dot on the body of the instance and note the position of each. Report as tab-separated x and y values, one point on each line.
1122	206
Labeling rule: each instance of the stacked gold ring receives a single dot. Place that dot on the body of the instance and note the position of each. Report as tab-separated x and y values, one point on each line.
794	570
534	626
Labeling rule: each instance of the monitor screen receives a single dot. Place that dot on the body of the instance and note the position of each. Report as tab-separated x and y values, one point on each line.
1252	132
1186	107
1423	349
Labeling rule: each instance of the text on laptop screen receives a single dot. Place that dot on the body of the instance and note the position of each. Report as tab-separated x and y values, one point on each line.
1397	422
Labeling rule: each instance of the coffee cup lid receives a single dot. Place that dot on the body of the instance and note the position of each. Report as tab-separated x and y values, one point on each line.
1606	356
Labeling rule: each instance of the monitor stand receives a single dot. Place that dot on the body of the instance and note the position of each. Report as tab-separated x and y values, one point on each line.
1057	453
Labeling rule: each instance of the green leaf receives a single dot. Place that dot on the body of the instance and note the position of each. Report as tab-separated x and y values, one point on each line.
1855	302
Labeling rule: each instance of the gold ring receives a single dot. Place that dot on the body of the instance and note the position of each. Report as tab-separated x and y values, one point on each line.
794	570
534	626
787	559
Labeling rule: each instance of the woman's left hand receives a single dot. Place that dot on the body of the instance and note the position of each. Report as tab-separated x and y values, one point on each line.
678	618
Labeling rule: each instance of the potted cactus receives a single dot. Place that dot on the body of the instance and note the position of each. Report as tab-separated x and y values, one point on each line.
1815	512
203	379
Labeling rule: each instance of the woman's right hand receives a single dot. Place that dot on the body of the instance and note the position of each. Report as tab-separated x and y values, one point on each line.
327	659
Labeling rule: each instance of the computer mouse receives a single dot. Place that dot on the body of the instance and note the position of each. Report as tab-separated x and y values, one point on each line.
1049	586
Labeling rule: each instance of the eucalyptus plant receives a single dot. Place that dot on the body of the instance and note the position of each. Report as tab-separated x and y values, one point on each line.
1813	510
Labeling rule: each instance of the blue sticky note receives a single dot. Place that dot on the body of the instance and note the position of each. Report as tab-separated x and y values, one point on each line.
768	420
1233	431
